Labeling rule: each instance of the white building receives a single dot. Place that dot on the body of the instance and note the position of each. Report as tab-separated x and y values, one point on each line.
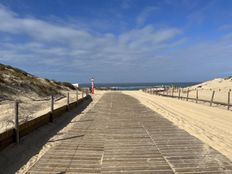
76	85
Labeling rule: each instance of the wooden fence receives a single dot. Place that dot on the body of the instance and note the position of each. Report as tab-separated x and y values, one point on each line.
14	134
170	93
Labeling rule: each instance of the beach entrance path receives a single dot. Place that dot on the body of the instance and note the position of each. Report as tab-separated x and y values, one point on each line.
120	135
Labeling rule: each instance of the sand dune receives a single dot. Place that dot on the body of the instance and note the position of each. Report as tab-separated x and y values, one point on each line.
221	87
32	92
210	124
218	84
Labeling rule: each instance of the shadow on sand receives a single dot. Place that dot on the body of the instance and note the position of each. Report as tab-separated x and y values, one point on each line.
15	156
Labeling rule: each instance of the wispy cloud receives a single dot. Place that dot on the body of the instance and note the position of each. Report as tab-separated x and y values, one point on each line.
201	13
69	51
38	29
69	46
148	11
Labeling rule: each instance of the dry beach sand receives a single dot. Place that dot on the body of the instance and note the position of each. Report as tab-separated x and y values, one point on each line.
210	124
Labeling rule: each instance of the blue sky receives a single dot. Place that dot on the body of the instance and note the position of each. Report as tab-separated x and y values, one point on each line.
118	40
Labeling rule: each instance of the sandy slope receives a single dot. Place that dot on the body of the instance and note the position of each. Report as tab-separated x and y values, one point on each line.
211	125
221	86
31	91
215	84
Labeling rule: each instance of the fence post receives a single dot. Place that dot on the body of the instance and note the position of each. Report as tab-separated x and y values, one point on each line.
52	108
228	107
197	96
77	96
68	101
211	102
17	122
172	91
86	92
187	94
179	94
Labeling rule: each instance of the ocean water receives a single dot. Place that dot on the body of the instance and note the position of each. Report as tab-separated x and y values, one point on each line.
137	86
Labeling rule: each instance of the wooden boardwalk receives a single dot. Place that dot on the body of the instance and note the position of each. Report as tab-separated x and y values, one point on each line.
119	135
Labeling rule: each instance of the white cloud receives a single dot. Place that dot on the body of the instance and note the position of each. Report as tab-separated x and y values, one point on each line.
147	51
53	40
38	29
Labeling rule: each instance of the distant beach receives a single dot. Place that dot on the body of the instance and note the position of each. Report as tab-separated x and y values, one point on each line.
137	86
